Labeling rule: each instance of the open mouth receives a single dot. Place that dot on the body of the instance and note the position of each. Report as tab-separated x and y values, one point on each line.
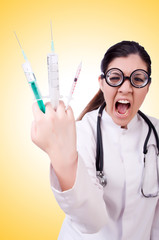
122	106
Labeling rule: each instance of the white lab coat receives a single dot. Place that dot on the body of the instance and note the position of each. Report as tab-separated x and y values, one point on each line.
118	211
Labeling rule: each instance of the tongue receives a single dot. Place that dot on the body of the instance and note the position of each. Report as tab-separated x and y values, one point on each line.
122	108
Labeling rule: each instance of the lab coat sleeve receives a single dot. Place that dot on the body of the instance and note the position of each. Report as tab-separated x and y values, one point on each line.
83	203
155	225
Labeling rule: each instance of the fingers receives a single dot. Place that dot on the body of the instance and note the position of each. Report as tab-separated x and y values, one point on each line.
37	113
61	108
70	112
59	112
50	111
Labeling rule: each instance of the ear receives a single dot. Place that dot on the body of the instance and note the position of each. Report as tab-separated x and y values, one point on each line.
100	81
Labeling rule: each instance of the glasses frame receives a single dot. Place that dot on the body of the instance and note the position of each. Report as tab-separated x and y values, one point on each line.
126	78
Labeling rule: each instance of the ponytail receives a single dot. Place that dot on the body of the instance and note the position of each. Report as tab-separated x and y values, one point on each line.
94	104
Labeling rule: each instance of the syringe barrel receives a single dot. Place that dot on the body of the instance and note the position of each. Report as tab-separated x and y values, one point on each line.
53	79
28	72
33	84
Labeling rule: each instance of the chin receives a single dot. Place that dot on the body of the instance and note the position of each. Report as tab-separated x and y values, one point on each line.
123	119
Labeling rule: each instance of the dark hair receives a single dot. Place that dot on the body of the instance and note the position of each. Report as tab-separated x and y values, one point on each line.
121	49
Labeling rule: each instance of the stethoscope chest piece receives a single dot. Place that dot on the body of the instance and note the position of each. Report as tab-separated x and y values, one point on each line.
101	177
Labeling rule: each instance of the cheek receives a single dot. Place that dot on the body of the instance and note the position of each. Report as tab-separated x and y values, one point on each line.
109	95
140	96
109	92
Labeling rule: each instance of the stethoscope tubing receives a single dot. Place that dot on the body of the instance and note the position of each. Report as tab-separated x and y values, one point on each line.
99	147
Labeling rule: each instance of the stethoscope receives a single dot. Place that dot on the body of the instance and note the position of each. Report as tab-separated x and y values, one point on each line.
99	149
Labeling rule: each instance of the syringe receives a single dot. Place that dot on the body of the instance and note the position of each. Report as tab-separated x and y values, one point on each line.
31	79
73	85
53	75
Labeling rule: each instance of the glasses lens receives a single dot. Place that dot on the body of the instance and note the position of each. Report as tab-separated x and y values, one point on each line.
139	78
114	77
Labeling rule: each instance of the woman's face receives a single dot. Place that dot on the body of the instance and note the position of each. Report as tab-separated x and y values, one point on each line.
123	102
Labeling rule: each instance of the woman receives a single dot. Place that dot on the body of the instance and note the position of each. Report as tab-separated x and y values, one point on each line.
118	210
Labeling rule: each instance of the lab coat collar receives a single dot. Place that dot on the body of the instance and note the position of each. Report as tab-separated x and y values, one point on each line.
130	125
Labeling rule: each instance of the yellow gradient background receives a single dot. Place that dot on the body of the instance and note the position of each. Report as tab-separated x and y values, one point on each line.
82	30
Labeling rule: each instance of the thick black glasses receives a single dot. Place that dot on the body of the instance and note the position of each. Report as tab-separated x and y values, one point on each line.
115	77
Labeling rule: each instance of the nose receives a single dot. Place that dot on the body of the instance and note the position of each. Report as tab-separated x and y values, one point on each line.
126	87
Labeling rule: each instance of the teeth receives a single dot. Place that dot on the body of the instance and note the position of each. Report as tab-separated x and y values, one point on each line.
123	101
